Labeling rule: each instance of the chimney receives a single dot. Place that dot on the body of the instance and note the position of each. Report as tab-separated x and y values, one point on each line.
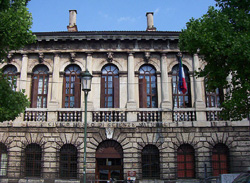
72	27
150	21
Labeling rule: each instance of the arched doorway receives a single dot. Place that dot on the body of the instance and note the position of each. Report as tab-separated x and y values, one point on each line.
109	161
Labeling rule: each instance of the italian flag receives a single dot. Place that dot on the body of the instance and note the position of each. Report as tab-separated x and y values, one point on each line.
182	85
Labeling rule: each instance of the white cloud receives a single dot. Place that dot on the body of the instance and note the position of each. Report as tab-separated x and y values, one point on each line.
157	11
126	19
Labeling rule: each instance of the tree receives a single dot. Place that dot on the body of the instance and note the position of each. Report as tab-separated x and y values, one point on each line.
222	37
12	103
15	24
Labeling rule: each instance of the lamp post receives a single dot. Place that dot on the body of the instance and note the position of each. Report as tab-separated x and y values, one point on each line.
86	87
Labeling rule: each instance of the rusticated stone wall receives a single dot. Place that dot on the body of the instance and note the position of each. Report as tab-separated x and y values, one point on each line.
52	136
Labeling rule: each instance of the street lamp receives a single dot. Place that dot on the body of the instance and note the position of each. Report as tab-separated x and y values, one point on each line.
86	87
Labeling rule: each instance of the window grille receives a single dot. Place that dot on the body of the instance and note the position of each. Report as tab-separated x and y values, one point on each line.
220	159
33	156
150	162
68	162
3	160
185	161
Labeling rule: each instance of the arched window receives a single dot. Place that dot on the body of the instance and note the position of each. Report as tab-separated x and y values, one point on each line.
72	87
109	161
150	162
11	71
180	100
33	157
40	81
220	157
185	161
147	87
68	161
213	98
3	160
110	87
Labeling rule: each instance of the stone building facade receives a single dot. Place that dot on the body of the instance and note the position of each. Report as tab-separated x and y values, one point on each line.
138	123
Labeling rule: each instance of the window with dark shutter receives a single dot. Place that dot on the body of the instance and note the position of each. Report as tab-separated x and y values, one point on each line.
220	159
110	87
40	81
180	100
185	161
33	156
68	161
147	87
150	162
72	87
3	160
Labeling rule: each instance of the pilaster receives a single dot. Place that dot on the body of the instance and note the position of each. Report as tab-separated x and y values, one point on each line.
131	80
23	75
165	103
54	102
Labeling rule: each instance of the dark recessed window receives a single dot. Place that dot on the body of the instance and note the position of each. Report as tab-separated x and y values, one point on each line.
3	160
220	157
33	156
150	162
68	162
185	161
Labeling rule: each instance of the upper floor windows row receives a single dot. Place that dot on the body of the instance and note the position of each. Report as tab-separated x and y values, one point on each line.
110	87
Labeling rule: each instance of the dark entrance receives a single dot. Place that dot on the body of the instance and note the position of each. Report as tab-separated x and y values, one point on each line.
109	161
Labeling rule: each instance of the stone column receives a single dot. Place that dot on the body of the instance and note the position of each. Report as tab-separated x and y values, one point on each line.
131	81
23	75
165	103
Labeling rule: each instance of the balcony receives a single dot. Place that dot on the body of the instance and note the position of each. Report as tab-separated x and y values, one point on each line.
119	115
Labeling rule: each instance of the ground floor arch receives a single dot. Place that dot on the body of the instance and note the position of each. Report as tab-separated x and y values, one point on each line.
109	161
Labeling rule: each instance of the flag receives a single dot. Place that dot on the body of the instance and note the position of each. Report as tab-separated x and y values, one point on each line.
182	85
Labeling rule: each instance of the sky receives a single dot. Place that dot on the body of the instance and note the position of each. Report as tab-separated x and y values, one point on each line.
115	15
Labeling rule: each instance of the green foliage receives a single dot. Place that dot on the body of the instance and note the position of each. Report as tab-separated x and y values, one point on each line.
222	37
12	103
15	24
